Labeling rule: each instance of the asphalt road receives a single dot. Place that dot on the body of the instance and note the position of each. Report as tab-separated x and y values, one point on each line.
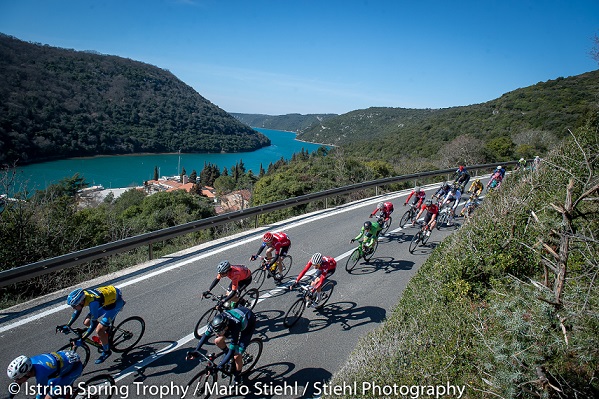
167	294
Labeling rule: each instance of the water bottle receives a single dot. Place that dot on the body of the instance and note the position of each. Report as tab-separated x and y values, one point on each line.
96	339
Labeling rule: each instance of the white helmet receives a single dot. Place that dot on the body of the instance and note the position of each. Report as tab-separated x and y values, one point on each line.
417	189
19	367
379	205
316	258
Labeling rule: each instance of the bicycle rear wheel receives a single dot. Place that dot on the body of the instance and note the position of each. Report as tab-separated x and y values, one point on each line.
294	313
415	240
201	384
250	297
127	334
259	276
98	387
386	225
286	262
443	218
369	255
407	217
83	351
325	294
352	260
203	321
251	355
425	238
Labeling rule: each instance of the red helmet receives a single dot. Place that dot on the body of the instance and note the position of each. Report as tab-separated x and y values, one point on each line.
267	237
461	168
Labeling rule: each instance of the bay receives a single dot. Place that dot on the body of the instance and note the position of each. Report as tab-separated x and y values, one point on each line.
132	170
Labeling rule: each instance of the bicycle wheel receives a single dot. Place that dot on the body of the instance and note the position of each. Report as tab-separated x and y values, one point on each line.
250	297
386	225
259	276
83	351
251	355
203	321
369	255
425	238
201	385
127	334
407	217
294	313
442	219
352	260
325	294
286	263
415	240
96	387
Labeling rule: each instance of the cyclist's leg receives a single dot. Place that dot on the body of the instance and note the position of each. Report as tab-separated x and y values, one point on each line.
283	253
244	340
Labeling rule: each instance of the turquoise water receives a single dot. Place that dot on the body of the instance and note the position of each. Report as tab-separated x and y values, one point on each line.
133	170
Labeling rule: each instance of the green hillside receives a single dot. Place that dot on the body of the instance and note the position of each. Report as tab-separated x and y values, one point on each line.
59	103
290	122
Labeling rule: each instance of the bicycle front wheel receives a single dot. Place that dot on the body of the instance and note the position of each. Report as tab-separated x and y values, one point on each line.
386	225
251	355
407	217
250	297
127	334
415	240
83	352
370	254
325	294
98	387
352	260
294	313
203	321
286	263
259	276
202	384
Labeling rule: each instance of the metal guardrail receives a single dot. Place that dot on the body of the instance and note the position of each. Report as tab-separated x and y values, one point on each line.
46	266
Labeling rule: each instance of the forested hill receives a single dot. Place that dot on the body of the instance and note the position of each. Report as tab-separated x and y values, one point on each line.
521	117
289	122
58	103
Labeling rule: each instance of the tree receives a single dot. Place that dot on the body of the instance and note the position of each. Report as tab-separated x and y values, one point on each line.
463	150
155	172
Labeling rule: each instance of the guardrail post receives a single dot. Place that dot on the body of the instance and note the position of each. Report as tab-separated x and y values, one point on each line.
376	190
150	251
326	203
256	222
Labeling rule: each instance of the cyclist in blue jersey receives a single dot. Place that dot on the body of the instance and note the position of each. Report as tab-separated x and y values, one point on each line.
104	304
54	372
237	325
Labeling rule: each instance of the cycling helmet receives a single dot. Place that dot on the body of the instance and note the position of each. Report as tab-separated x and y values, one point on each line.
267	237
75	297
477	181
379	205
461	168
223	267
219	323
417	189
367	225
19	367
521	160
428	202
316	258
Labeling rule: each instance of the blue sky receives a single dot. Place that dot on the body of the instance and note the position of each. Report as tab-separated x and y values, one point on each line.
327	56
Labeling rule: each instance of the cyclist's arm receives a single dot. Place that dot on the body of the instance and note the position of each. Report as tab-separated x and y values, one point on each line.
203	340
213	284
304	271
74	317
274	258
260	249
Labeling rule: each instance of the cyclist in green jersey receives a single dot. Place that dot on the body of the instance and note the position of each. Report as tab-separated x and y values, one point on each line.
369	234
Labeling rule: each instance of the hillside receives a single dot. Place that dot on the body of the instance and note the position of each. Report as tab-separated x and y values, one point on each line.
59	103
525	117
290	122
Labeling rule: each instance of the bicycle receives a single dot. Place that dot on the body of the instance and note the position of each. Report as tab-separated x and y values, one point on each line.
359	253
248	298
385	224
443	216
307	299
470	205
262	272
419	237
121	338
204	383
408	216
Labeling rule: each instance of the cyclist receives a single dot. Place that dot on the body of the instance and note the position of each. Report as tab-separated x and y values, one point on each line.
419	196
278	243
104	304
385	208
237	325
536	162
240	277
442	191
54	372
453	196
501	171
325	267
496	179
462	176
369	232
430	219
521	165
476	188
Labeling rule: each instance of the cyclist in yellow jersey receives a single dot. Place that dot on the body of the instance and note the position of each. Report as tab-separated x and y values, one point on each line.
104	304
476	187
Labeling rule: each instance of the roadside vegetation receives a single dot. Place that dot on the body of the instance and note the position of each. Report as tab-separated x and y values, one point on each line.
508	306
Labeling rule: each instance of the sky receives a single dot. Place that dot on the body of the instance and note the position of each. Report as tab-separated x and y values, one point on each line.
277	57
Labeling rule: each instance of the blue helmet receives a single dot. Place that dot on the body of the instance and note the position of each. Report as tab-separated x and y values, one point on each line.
76	297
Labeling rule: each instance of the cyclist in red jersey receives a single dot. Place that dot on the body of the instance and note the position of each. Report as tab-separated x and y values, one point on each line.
385	208
278	243
430	219
325	267
240	277
419	196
